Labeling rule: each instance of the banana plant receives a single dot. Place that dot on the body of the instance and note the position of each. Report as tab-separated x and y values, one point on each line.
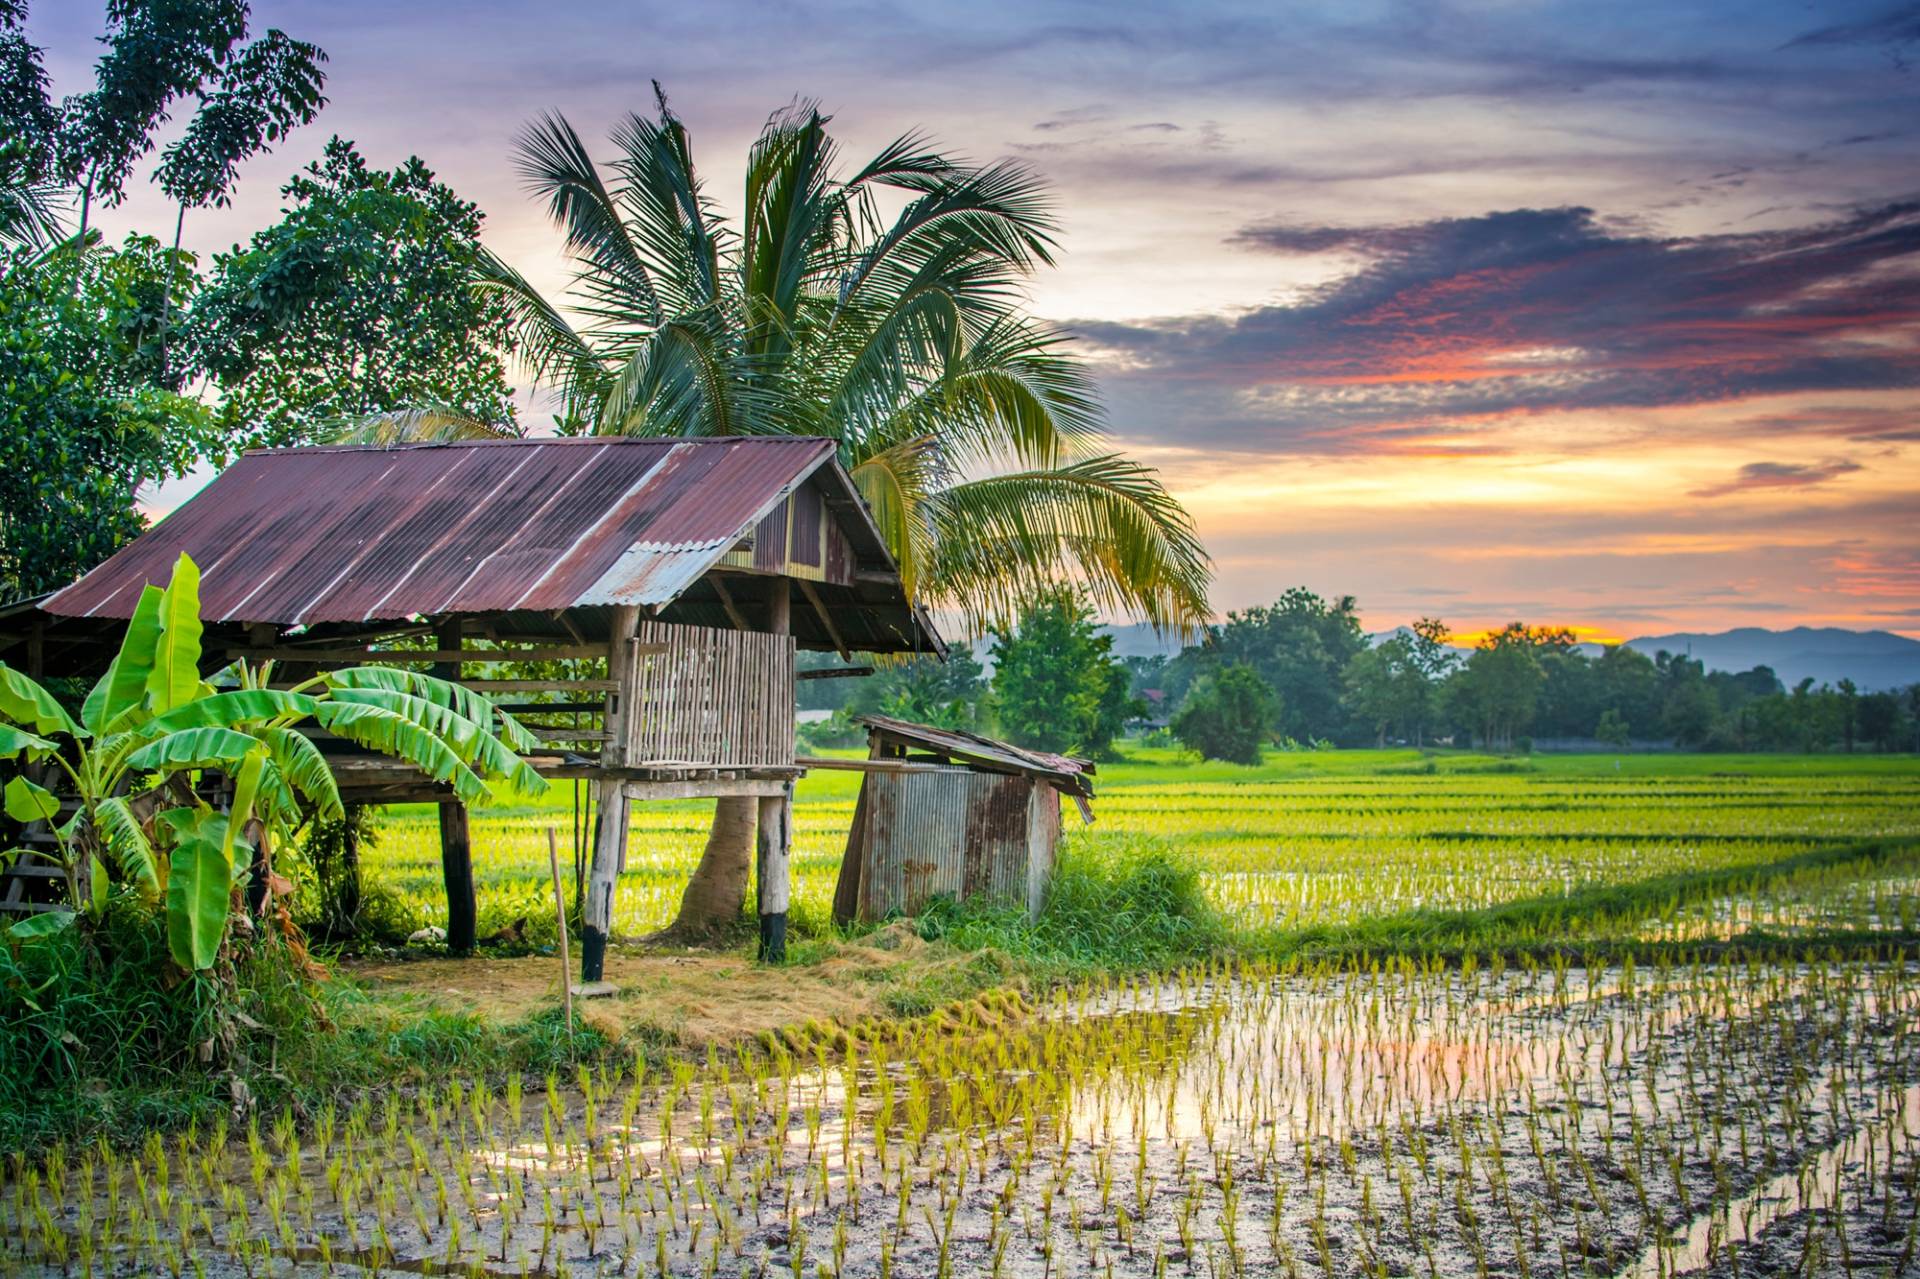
152	731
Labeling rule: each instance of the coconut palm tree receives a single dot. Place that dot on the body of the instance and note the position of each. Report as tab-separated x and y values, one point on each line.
881	307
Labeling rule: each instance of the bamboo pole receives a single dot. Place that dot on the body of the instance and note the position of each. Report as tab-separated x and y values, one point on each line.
560	917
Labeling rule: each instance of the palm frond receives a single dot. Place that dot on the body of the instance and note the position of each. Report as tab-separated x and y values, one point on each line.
1013	398
1103	522
676	382
909	162
554	163
550	348
420	425
1001	211
673	226
793	210
897	482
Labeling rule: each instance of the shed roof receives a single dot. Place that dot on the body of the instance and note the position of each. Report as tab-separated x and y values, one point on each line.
357	534
1067	772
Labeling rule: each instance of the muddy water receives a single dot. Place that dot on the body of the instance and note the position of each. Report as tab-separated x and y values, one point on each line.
1401	1122
1816	1186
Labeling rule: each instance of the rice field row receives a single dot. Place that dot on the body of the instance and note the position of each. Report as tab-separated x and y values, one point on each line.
1308	847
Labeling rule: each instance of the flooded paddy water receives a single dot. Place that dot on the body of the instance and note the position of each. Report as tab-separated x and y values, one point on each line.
1722	1118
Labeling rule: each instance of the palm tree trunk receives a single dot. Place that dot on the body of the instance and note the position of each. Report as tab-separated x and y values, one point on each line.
717	893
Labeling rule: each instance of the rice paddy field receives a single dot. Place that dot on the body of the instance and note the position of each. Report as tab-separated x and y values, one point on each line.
1404	1107
1342	839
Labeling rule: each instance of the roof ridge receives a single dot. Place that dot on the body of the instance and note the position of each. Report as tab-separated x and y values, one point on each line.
543	440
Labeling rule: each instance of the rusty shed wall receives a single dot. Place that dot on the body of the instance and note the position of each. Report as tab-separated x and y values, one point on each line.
959	834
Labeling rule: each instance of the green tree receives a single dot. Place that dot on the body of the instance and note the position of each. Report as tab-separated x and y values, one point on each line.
1056	684
1387	689
1300	645
879	306
1689	709
1227	715
1880	721
355	302
1498	688
1612	729
159	53
1627	681
92	410
927	690
83	424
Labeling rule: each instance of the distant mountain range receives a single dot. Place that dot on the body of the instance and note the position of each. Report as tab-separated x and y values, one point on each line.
1871	659
1826	654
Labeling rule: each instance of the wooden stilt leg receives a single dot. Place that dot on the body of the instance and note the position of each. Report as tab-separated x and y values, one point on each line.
774	845
456	844
610	830
456	869
609	852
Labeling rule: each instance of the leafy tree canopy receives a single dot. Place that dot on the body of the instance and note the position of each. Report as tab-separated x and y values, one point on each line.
1300	645
83	424
357	301
1056	683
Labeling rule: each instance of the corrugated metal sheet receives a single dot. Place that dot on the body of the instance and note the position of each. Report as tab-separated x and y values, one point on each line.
960	834
1064	771
355	534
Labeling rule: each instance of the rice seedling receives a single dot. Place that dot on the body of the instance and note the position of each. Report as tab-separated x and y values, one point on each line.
1241	1117
1281	848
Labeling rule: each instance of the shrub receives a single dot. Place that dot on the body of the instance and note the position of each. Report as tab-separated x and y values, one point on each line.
1226	715
1127	909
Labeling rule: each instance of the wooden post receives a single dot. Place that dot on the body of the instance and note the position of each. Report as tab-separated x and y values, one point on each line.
610	834
456	844
773	842
774	845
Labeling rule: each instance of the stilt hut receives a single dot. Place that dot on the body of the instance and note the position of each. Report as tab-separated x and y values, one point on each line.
949	813
663	586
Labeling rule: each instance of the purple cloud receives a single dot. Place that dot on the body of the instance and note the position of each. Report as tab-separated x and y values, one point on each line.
1526	311
1780	475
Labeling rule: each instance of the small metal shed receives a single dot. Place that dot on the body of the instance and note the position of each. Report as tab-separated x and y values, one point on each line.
949	813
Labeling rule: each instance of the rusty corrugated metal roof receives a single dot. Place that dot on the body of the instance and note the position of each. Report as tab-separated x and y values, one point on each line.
1064	771
363	533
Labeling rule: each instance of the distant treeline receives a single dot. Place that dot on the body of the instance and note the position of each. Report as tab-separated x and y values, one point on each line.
1302	671
1330	684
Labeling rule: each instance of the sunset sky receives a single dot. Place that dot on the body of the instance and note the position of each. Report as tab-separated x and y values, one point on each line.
1596	314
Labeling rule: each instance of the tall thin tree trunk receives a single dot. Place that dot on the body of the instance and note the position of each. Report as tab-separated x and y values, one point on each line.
166	292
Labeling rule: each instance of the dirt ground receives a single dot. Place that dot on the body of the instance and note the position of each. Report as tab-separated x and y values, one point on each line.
691	997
